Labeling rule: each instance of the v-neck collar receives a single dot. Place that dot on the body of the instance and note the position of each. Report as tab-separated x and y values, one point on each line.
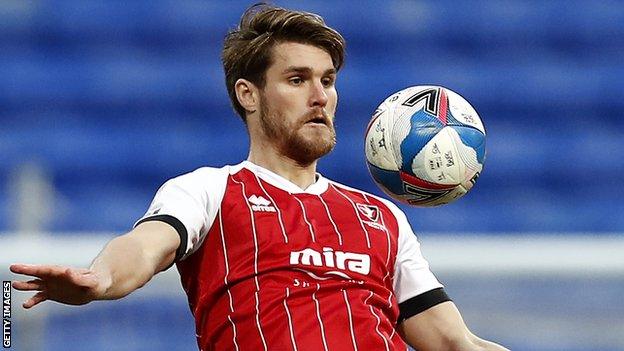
317	188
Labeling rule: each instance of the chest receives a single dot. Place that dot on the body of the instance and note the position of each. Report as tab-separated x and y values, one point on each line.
335	233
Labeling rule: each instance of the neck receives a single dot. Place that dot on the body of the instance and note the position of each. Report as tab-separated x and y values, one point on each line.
266	156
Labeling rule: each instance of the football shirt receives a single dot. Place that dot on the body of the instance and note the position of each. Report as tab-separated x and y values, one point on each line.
267	265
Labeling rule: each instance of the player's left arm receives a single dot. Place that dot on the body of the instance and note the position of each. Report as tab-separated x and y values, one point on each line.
442	327
428	319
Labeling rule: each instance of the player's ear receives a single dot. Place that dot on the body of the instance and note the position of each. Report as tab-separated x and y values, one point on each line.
247	94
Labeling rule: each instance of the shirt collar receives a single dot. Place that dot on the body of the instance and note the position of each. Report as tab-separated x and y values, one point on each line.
317	188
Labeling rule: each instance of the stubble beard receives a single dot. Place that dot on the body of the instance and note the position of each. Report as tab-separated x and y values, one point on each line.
288	138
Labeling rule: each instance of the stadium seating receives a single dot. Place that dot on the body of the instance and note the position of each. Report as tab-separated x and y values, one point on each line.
114	98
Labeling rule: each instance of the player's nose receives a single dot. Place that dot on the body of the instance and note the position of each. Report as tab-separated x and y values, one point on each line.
318	95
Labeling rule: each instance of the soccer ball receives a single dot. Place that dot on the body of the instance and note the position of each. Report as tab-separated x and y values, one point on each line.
425	146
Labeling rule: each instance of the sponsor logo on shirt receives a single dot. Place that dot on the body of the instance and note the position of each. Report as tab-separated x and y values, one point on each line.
344	261
260	204
371	215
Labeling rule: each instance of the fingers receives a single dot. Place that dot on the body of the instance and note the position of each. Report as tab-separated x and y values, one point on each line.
34	270
35	300
19	268
35	284
39	271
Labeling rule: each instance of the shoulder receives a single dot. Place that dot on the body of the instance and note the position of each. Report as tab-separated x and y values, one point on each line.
204	185
206	172
204	176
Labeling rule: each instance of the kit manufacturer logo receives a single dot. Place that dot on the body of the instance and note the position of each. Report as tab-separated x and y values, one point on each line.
260	204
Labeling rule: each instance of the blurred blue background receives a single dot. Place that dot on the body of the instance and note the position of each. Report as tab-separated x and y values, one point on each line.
103	101
112	98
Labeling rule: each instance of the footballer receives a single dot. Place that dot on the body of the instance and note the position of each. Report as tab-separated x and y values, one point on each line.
273	255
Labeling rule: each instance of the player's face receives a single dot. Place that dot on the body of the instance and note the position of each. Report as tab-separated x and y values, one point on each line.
298	102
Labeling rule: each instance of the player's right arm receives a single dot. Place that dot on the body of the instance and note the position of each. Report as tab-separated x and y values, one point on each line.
125	264
179	217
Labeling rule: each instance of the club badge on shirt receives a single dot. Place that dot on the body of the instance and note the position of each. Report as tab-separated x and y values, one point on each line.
370	216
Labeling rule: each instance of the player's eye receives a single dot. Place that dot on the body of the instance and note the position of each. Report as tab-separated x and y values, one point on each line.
296	80
327	82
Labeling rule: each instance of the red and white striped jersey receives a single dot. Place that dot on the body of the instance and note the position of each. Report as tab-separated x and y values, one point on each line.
269	266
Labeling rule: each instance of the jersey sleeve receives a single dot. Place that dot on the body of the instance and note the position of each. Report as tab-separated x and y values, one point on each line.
189	203
416	287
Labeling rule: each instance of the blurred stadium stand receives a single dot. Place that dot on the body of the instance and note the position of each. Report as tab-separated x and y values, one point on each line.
102	101
114	98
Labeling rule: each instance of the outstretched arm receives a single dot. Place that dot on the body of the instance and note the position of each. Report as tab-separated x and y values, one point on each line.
125	264
441	327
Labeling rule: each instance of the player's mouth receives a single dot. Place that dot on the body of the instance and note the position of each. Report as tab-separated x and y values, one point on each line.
318	120
318	117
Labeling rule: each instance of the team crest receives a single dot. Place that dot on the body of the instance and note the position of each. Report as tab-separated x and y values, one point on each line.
371	215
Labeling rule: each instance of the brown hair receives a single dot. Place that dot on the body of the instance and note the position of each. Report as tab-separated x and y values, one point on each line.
247	49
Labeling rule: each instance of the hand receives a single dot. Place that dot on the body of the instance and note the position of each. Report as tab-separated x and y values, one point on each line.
72	286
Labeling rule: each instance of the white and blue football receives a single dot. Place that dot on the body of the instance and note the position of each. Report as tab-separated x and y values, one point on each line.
425	146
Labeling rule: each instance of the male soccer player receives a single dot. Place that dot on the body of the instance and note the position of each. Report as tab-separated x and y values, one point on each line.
272	255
